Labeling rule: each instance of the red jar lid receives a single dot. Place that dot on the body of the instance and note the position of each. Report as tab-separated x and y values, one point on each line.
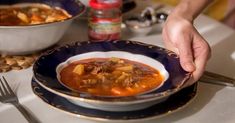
106	4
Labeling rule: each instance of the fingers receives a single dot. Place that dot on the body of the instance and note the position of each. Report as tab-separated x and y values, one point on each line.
182	38
200	63
201	52
186	55
179	40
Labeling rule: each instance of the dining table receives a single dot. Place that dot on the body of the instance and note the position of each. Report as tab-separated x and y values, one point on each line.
213	103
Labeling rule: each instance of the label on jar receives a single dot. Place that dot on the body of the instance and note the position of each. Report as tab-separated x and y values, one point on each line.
104	29
102	26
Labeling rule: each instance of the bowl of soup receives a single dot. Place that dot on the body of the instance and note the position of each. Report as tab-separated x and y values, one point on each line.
29	26
115	75
111	74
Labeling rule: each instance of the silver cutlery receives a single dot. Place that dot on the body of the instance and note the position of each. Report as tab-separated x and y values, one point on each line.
214	78
8	96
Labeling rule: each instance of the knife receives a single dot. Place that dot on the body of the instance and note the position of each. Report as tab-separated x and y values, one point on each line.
214	78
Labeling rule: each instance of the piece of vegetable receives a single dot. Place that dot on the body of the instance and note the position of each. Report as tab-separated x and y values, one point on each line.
35	19
50	19
114	59
79	69
122	77
125	68
23	17
116	91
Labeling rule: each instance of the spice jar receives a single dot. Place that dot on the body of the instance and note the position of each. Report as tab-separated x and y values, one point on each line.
104	20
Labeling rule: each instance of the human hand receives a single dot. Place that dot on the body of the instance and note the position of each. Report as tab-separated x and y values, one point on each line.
180	36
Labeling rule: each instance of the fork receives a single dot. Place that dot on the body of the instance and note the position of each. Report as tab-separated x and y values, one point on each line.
8	96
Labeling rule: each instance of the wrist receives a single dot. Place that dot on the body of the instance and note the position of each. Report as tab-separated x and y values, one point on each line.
183	11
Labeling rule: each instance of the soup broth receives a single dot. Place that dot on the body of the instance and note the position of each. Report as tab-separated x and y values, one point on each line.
31	14
110	77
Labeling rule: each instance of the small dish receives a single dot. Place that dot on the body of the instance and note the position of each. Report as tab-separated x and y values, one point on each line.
45	73
173	104
138	25
150	19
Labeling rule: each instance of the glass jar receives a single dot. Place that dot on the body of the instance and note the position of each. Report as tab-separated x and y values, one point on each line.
104	20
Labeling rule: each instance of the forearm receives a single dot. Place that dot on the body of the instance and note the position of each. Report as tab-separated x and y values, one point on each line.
190	9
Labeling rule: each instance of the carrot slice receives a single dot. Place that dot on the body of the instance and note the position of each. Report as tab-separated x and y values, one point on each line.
116	91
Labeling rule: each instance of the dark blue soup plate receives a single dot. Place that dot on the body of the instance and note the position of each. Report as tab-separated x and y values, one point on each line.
46	70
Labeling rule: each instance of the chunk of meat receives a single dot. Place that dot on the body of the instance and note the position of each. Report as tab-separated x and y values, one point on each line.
96	69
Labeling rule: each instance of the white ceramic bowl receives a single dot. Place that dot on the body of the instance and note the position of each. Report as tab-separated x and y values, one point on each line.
18	40
123	106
